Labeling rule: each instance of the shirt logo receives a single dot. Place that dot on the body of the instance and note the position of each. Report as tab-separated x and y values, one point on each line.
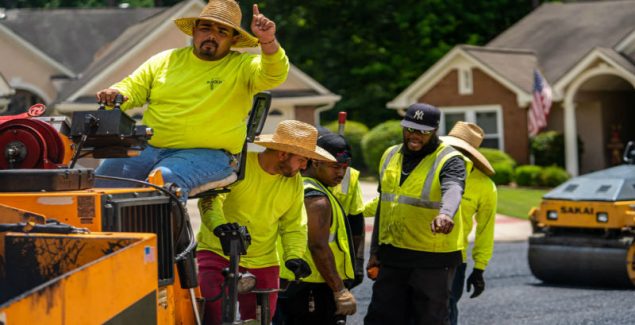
213	83
418	115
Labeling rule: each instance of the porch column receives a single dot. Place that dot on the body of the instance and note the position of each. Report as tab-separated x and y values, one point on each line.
570	137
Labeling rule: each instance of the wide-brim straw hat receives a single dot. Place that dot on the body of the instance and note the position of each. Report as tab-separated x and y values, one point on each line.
468	137
226	12
295	137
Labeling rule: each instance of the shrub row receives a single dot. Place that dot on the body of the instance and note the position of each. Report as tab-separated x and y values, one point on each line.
371	144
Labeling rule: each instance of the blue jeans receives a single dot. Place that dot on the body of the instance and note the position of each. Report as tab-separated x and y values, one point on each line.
187	168
457	292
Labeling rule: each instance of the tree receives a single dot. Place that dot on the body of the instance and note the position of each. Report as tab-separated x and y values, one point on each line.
368	51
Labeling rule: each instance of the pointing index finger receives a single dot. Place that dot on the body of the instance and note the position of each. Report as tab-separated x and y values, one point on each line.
255	9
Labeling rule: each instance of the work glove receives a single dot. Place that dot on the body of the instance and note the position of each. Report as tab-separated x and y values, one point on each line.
476	279
299	267
225	229
233	230
345	302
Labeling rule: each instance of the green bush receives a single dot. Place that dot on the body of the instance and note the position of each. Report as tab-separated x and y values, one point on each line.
527	175
504	173
502	163
495	156
548	148
353	132
377	140
553	176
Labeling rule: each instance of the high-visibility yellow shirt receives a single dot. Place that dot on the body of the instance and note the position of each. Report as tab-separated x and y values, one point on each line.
349	192
194	103
479	202
370	208
268	205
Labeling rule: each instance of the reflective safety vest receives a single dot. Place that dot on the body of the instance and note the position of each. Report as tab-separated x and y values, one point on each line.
338	240
348	192
407	210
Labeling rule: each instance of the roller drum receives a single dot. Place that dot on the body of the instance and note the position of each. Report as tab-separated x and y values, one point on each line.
586	261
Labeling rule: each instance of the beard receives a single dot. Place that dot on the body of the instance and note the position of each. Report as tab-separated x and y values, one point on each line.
209	51
286	169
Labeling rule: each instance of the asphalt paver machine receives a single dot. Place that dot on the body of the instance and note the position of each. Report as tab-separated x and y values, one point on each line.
71	253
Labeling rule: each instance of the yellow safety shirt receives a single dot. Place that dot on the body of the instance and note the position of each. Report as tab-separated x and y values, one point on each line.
269	205
479	202
193	103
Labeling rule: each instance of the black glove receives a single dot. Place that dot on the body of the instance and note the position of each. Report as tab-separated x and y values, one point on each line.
476	279
299	267
227	232
225	229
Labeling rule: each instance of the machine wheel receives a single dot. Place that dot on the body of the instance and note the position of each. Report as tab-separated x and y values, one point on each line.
582	261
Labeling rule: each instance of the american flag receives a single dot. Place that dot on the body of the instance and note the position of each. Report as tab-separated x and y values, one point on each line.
540	104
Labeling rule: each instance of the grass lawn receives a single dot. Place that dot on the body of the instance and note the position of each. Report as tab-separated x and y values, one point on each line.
517	201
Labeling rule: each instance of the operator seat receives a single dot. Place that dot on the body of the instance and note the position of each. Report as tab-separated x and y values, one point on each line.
255	123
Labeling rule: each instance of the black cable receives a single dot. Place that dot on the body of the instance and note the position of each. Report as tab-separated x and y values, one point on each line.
182	255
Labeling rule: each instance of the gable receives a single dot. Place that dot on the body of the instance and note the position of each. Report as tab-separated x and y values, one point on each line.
598	61
26	69
18	44
72	41
499	64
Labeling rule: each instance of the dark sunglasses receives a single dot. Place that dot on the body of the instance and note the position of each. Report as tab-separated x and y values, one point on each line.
411	130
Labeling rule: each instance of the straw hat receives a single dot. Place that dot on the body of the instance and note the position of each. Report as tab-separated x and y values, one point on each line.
226	12
297	138
468	137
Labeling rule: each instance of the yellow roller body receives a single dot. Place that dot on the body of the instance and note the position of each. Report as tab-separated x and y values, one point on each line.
584	230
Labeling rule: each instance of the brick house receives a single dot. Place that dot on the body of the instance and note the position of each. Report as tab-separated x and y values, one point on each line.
586	52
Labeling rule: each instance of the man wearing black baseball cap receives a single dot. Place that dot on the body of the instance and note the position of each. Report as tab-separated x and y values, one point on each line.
417	238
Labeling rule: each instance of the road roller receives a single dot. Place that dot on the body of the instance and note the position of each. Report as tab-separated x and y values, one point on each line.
584	229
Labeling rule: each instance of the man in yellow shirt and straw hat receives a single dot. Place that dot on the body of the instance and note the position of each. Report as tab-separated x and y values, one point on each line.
199	97
478	203
269	201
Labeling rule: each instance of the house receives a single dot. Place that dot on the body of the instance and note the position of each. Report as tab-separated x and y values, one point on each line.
586	52
62	57
6	92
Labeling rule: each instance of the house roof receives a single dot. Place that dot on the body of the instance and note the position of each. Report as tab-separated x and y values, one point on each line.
514	65
511	67
561	34
619	59
82	34
128	39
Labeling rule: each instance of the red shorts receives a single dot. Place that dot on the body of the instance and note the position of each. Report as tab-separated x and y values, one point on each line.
210	277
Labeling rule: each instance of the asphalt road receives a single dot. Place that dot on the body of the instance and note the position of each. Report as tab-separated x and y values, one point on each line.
514	296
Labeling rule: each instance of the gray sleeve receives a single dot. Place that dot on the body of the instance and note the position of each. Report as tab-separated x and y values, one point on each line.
452	178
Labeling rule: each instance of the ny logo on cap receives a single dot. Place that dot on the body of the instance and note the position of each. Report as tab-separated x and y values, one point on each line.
419	115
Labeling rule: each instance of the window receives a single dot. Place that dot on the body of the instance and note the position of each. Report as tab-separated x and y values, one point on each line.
489	118
465	81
